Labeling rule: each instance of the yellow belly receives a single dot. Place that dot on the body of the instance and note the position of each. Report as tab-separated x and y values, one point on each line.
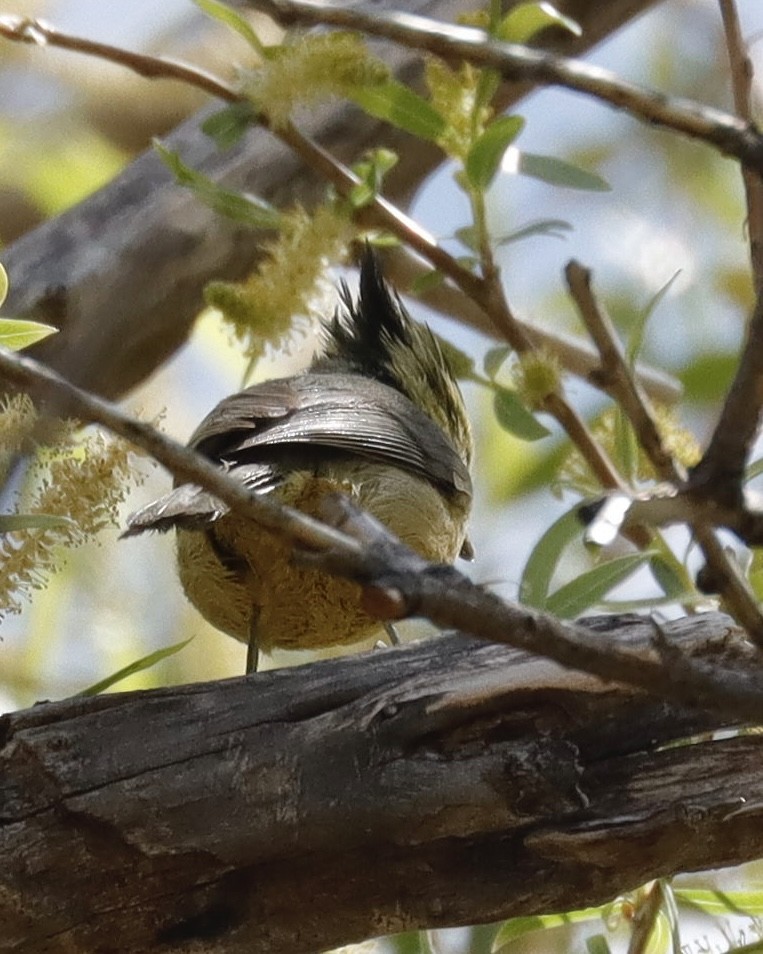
242	580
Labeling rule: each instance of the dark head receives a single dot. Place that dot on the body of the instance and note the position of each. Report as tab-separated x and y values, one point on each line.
376	337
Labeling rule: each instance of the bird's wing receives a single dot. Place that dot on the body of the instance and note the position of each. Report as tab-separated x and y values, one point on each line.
358	416
261	433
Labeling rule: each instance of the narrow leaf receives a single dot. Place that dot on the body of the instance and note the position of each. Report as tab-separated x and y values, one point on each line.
721	903
229	124
494	359
673	585
427	282
589	588
461	364
526	20
244	208
514	417
224	14
484	158
517	927
140	665
17	333
10	522
553	227
559	173
400	106
636	342
3	284
544	559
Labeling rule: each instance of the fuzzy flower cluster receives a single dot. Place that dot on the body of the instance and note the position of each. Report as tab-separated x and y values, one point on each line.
677	440
17	419
536	375
262	309
311	69
85	483
454	93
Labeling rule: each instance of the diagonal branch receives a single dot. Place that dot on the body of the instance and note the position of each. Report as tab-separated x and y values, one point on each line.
741	84
726	133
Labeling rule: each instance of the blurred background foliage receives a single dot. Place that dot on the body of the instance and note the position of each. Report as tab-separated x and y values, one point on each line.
675	211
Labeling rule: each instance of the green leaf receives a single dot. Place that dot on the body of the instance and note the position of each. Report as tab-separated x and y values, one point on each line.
707	377
485	155
461	364
514	417
559	173
721	903
544	559
371	171
589	588
9	522
673	585
3	285
17	333
140	665
468	236
224	14
229	124
526	20
636	342
400	106
493	360
517	927
553	227
597	944
244	208
427	282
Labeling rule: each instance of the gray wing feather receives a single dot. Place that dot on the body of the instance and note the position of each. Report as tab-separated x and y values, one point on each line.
372	421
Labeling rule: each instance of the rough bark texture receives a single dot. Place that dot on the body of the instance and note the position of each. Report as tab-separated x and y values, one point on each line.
448	783
122	273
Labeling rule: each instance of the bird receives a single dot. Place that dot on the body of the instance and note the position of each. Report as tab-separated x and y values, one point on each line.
379	416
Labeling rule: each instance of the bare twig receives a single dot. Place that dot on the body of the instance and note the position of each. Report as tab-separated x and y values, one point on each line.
732	586
616	375
728	134
645	918
720	474
741	84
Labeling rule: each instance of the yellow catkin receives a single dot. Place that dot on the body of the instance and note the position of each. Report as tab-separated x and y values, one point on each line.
454	94
309	70
261	310
84	483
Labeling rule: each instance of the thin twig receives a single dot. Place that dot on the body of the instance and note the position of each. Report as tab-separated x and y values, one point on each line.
734	589
645	919
616	375
741	84
726	133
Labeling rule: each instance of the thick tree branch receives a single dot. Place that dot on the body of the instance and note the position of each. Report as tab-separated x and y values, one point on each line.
448	783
